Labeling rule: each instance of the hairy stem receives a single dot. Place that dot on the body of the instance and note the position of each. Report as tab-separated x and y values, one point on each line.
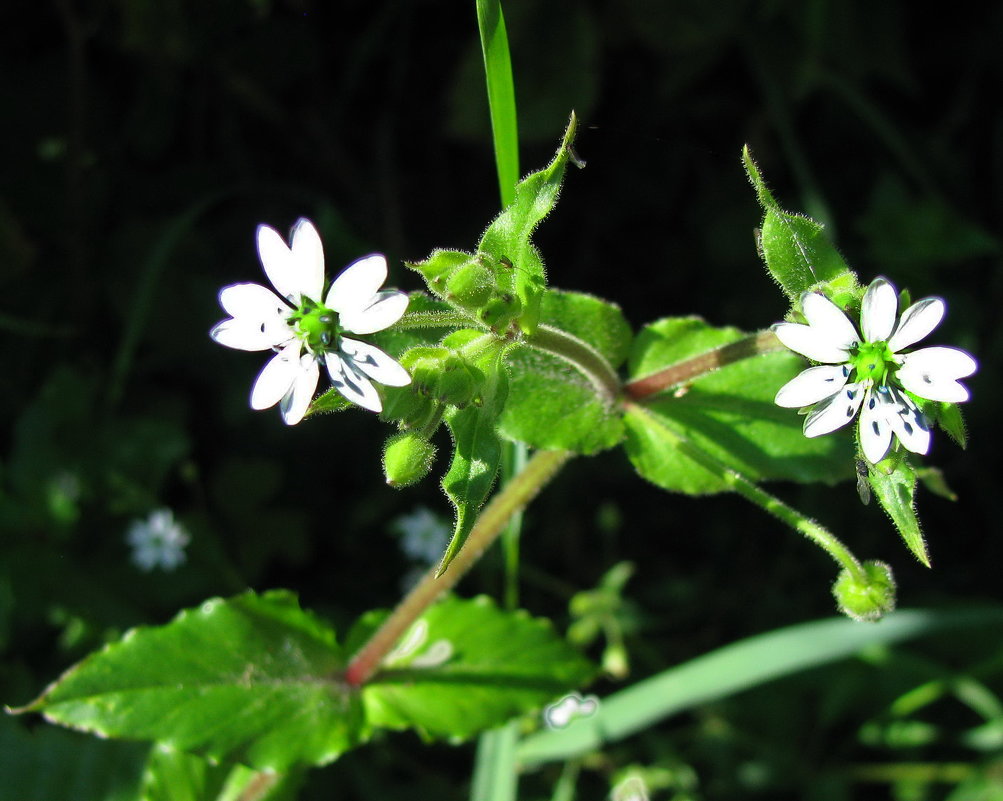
583	356
696	366
513	497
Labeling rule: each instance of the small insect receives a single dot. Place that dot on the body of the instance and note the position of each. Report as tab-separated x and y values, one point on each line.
863	485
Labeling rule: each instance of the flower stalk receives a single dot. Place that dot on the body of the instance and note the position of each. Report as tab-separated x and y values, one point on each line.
511	499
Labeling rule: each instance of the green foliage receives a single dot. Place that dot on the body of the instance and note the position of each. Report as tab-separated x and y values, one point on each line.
893	482
467	666
728	414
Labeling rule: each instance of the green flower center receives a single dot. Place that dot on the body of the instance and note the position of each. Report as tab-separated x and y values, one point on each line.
873	360
316	325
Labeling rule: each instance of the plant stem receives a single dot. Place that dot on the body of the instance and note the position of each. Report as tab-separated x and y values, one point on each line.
590	362
433	320
510	499
696	366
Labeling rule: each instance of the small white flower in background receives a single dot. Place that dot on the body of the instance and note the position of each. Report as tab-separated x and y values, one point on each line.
869	373
569	708
305	327
158	541
424	535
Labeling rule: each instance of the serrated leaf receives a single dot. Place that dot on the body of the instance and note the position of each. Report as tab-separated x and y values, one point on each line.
250	679
893	483
795	248
508	235
728	413
476	452
552	404
470	666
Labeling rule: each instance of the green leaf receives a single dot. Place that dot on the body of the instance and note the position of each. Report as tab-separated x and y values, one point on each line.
893	482
737	667
501	94
552	404
508	236
250	679
795	248
173	775
467	666
476	451
728	413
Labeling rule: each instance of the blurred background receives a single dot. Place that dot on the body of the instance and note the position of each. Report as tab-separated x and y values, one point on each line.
144	140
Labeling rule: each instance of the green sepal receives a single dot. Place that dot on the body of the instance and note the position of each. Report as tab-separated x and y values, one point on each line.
893	483
476	448
796	250
866	598
729	413
552	404
948	416
250	679
466	666
507	238
439	267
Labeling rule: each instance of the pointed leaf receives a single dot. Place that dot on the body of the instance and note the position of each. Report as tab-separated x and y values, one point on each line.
795	248
251	679
728	412
470	666
552	404
893	483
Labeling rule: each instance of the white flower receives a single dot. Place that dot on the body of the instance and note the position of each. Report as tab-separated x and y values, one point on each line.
871	372
304	326
158	541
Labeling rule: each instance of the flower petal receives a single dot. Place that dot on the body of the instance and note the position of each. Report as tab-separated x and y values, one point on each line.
297	400
247	335
878	310
932	373
252	301
908	423
916	322
828	320
308	256
875	426
834	412
810	342
388	308
276	378
352	384
278	262
374	363
355	287
812	385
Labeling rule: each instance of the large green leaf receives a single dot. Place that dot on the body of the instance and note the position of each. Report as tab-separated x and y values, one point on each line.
728	413
554	405
467	666
894	485
508	236
795	248
251	679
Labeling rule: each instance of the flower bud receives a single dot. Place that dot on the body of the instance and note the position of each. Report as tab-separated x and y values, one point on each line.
407	458
869	598
471	285
459	382
500	311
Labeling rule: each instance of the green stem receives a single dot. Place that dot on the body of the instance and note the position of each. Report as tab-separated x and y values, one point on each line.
512	498
696	366
434	319
815	532
583	356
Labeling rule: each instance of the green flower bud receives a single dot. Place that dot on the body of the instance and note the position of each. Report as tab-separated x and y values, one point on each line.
868	599
471	285
438	267
459	382
407	458
407	405
499	312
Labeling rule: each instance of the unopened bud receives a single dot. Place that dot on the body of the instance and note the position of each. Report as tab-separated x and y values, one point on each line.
471	285
869	598
407	458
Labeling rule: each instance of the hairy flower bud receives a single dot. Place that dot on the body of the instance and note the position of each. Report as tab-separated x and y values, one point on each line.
407	458
867	599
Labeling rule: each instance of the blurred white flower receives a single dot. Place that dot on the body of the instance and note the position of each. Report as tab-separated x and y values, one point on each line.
158	541
423	534
569	708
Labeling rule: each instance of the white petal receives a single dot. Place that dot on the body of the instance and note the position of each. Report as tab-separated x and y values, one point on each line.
812	385
916	322
810	342
828	320
875	427
352	384
878	310
834	412
358	283
276	378
308	256
908	423
252	301
388	308
246	335
278	263
297	400
374	363
932	373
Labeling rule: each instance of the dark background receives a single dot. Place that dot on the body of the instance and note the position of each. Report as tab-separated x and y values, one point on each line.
143	141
